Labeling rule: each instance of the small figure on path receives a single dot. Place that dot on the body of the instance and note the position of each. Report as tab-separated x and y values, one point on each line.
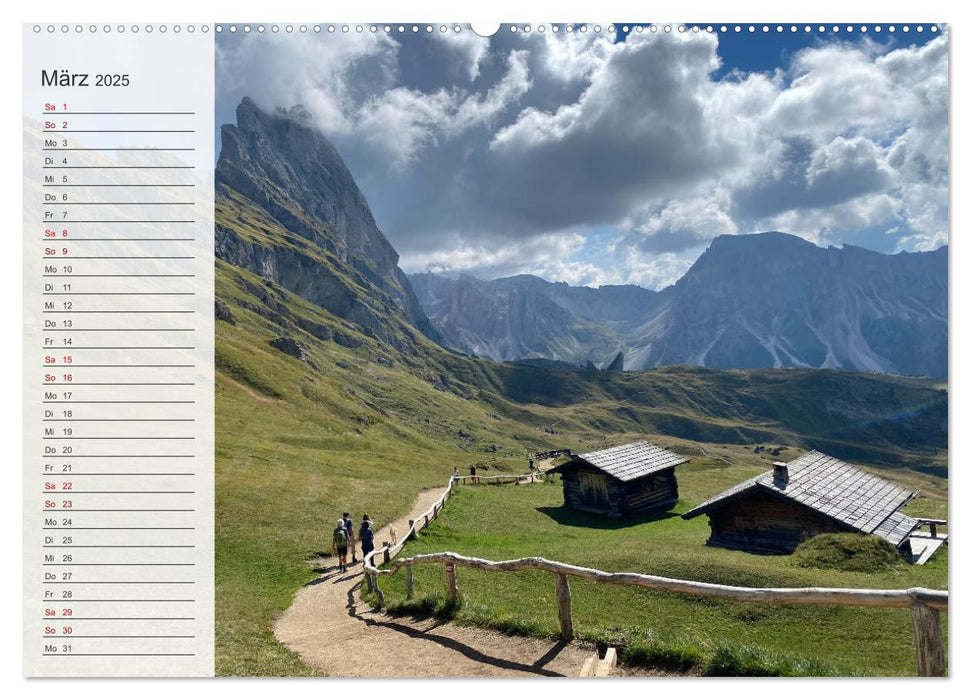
531	467
349	526
366	535
455	472
339	545
472	474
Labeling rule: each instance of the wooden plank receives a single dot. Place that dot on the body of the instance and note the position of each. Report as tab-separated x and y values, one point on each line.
607	664
565	607
589	666
929	640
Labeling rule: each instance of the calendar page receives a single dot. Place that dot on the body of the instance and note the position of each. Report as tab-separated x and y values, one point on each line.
437	349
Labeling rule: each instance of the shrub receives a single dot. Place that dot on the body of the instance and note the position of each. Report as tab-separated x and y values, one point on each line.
743	660
432	605
847	552
675	654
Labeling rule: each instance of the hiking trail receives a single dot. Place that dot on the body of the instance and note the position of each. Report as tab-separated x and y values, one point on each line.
334	632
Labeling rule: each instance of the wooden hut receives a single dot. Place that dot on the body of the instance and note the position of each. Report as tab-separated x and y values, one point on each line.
621	480
814	494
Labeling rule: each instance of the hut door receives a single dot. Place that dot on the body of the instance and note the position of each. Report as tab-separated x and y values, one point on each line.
593	489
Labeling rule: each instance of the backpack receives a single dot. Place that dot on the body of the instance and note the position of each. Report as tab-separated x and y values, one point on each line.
349	526
340	536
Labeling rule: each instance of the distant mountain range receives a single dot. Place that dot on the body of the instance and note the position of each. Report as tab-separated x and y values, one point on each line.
320	337
762	300
759	300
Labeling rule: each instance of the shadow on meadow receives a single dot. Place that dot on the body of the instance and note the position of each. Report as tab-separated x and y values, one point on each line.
564	515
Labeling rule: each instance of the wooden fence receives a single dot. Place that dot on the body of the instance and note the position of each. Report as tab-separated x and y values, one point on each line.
924	604
530	478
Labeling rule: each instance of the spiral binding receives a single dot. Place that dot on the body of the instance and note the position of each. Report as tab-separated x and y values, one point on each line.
510	28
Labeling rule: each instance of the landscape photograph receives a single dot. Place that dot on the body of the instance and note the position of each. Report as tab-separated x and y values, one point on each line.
581	350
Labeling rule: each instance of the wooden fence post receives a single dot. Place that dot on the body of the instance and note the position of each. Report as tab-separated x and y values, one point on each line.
410	581
563	600
387	554
426	519
377	589
931	657
411	527
453	589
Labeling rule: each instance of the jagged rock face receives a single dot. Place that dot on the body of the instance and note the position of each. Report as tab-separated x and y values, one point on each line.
281	163
775	300
617	364
511	319
284	164
760	300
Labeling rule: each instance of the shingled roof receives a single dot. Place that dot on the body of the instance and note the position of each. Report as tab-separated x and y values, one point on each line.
627	462
854	497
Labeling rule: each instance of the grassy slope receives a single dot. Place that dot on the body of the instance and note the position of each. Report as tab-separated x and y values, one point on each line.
509	522
361	426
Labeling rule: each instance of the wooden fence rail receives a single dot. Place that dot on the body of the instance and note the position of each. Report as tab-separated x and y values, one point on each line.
530	478
389	551
924	604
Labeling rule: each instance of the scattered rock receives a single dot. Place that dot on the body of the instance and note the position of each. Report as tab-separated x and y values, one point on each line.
385	362
347	341
289	346
617	365
224	313
317	330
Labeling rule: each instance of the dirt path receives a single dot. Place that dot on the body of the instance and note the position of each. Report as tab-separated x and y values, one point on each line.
333	631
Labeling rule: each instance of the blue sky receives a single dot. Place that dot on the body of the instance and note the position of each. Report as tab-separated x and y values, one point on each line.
616	158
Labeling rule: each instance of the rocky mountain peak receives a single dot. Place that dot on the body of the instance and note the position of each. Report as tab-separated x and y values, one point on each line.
285	164
281	162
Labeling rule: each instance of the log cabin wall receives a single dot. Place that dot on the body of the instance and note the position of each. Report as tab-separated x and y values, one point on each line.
576	491
650	492
623	498
762	522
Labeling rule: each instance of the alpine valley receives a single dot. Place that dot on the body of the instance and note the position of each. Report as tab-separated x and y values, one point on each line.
343	385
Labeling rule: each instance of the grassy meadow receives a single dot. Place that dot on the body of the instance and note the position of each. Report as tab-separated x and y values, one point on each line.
363	424
658	629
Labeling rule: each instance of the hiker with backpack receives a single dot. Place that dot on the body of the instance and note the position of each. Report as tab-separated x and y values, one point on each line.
339	545
349	526
366	536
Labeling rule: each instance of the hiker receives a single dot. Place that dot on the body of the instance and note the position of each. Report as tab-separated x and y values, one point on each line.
349	526
366	535
455	472
472	474
531	467
339	545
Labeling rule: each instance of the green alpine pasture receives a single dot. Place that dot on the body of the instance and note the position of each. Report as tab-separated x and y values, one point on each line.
657	629
361	424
